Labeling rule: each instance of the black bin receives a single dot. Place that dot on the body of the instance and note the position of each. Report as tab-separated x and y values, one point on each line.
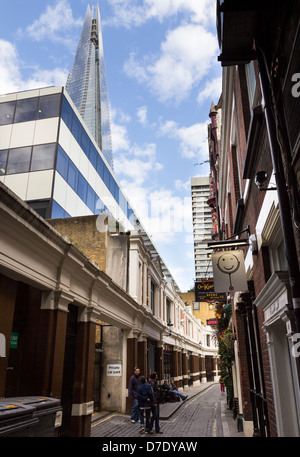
17	420
47	411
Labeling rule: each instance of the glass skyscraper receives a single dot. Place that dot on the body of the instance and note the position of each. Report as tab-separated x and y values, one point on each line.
86	83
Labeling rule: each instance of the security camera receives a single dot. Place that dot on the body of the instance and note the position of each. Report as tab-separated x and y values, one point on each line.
260	178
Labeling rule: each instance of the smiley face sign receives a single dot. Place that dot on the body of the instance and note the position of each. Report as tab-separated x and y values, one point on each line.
228	263
229	271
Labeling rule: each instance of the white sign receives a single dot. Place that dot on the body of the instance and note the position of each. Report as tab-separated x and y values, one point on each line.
114	369
229	271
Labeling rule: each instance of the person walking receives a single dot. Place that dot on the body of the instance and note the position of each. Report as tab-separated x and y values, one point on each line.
222	384
155	407
134	383
174	388
145	401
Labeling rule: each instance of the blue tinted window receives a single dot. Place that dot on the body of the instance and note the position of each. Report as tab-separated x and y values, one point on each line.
100	167
93	156
99	207
18	160
85	142
72	176
26	110
76	128
67	113
49	106
91	199
43	157
82	187
62	162
58	212
7	110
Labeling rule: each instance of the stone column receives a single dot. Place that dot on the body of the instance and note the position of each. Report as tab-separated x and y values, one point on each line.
203	370
185	370
179	371
83	404
131	363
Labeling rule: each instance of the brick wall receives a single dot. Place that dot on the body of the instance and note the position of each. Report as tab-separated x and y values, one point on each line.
83	232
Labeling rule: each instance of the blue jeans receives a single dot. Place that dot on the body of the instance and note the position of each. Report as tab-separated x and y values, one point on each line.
135	410
155	418
178	393
147	413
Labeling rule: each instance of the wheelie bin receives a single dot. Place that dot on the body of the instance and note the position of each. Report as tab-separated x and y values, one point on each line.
47	411
17	420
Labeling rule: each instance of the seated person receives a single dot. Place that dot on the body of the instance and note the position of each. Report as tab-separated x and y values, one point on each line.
174	388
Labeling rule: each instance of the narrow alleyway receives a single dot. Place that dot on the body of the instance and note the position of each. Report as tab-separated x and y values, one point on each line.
199	416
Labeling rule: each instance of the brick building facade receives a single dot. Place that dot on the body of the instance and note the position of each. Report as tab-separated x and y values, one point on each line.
258	197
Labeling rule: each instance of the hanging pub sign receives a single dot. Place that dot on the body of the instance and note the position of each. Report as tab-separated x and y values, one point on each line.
204	291
229	271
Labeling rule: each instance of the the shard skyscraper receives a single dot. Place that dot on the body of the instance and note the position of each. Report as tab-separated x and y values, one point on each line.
87	85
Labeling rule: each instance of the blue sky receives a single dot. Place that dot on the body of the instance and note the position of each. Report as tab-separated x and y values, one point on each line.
162	76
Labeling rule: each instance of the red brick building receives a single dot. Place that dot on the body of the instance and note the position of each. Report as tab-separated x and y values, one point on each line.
256	169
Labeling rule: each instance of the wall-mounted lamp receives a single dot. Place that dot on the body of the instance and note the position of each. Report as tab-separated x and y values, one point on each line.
260	179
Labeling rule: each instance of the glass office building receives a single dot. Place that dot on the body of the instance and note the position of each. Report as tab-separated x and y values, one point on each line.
49	158
87	85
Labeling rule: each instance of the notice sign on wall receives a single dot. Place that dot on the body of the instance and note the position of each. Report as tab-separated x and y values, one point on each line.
114	369
229	271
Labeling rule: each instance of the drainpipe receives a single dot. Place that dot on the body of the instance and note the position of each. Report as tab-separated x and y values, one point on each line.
283	199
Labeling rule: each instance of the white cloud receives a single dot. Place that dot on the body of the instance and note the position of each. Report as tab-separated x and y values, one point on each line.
11	79
185	58
211	91
192	139
131	13
55	24
142	115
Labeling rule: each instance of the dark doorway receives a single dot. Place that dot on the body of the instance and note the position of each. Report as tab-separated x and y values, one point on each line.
69	370
209	367
151	356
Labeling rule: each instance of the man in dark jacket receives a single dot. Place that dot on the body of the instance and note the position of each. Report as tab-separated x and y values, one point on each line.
145	399
134	383
155	406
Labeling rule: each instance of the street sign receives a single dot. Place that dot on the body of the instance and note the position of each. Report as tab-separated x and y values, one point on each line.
229	271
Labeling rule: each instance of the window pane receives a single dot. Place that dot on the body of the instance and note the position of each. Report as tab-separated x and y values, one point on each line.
91	199
62	162
18	160
26	110
43	157
7	112
99	207
3	160
82	187
85	142
72	176
58	212
76	129
100	166
93	156
67	113
49	106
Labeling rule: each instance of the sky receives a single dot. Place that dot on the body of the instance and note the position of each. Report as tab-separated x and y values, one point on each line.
162	76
